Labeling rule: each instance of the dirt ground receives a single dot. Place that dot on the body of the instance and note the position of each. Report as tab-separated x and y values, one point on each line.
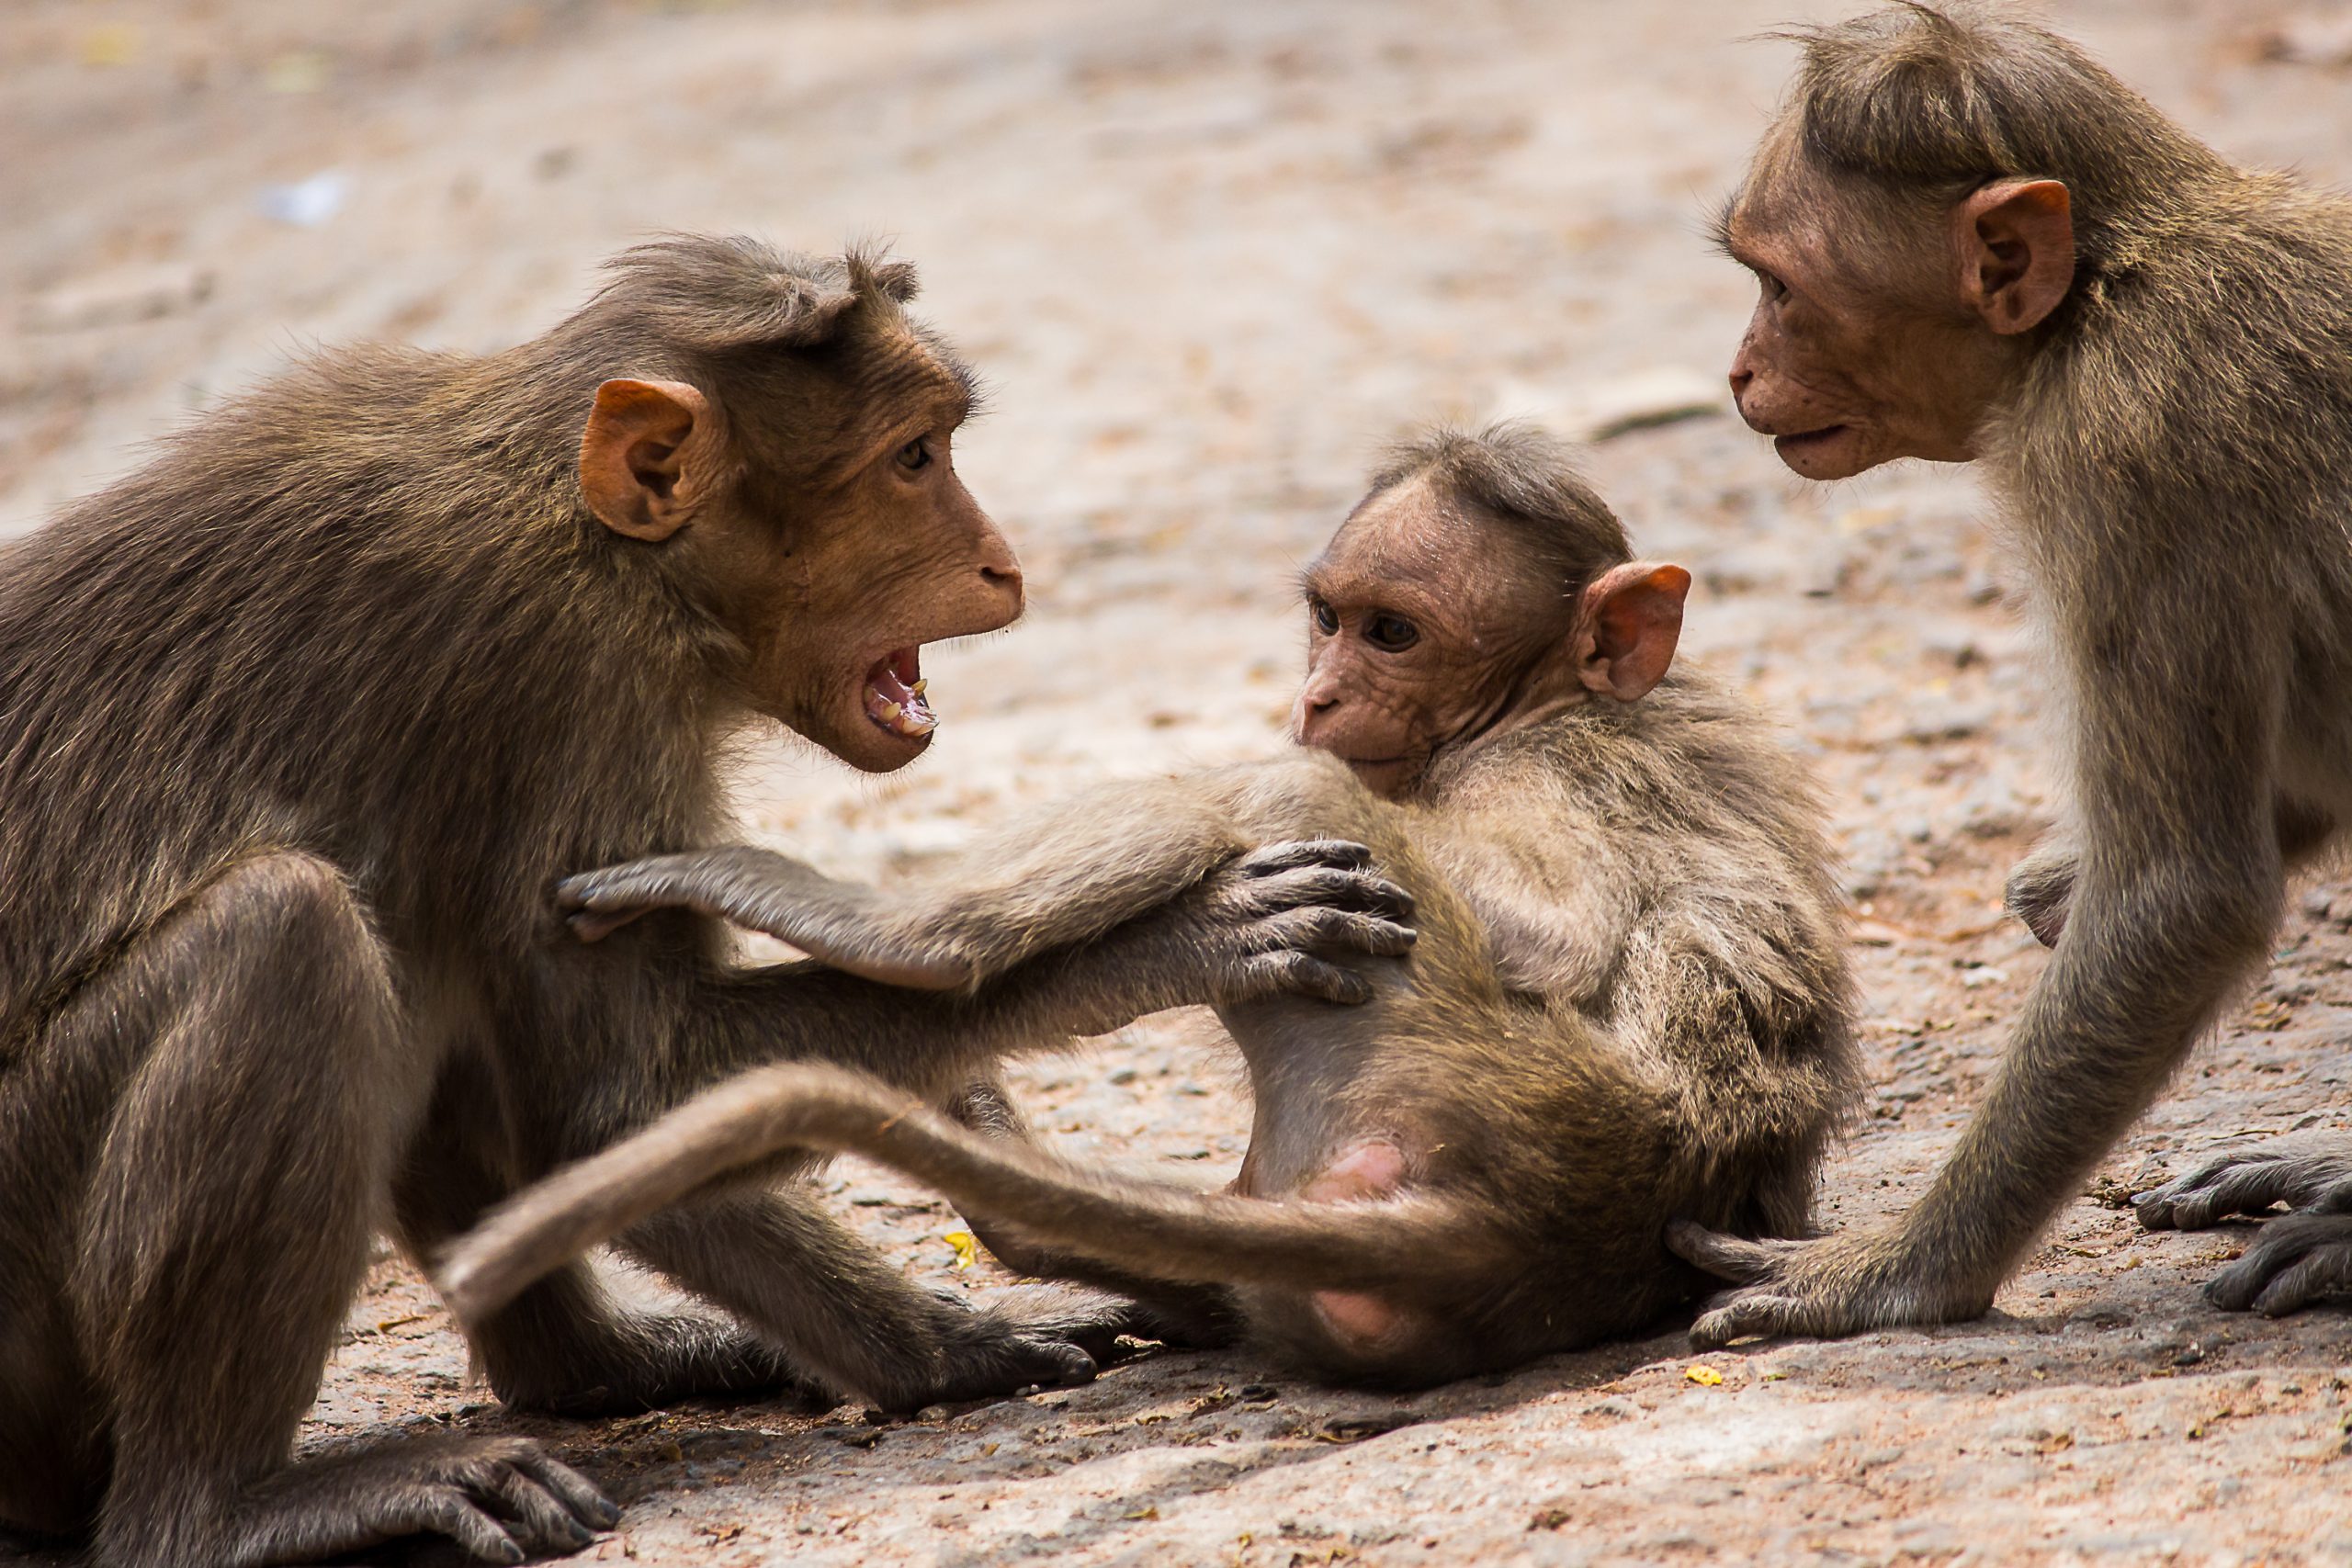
1211	254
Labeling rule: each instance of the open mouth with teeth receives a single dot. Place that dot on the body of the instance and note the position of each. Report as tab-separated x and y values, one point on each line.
894	695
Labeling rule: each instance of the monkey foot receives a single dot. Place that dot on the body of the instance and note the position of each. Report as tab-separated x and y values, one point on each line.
2299	1259
893	695
1826	1288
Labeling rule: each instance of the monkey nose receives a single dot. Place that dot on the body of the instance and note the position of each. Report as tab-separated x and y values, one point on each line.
1005	579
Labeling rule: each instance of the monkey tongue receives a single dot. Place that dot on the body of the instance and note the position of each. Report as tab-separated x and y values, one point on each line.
894	695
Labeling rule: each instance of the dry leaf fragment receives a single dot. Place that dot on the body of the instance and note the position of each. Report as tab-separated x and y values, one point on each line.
1704	1376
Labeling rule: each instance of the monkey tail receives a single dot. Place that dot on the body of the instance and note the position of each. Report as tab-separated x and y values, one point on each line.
1151	1228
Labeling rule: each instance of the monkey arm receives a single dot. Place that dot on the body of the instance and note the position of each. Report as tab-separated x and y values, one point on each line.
1259	925
845	925
1062	877
2177	889
1255	927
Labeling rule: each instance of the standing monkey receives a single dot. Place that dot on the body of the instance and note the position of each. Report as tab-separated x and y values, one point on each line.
298	726
1975	243
1626	1001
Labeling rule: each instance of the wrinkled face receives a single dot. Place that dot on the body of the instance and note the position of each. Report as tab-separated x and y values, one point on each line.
891	553
1858	352
1421	627
820	523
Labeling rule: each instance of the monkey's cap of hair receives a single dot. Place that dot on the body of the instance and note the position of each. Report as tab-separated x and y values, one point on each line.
1521	477
1941	99
715	293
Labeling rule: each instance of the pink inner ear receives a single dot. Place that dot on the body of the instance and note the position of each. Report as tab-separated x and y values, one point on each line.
626	452
1637	623
2020	237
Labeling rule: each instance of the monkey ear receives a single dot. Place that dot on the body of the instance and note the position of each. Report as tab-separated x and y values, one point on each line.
2017	252
648	457
1628	621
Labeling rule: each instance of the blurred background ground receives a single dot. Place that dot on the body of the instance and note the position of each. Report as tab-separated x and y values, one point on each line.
1211	254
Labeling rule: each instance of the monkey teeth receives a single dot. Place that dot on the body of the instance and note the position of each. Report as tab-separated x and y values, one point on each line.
894	696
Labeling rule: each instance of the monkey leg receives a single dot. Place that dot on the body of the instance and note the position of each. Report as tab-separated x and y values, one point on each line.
269	1085
563	1346
1191	1317
851	1319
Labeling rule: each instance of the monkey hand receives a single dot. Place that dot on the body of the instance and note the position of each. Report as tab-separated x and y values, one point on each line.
2042	887
2295	1260
1826	1288
847	925
2310	1171
500	1499
1281	920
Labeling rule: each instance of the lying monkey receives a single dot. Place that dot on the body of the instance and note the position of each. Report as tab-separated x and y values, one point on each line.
1627	1001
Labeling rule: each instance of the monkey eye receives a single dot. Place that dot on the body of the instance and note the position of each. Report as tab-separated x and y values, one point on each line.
1394	633
914	455
1326	619
1773	287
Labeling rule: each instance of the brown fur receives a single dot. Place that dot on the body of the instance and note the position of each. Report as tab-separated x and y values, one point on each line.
2160	387
1626	1003
301	722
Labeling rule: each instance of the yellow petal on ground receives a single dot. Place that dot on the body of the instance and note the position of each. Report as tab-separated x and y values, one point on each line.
117	43
966	1245
1705	1377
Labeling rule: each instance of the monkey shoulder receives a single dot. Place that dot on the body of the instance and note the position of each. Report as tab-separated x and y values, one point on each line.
1685	814
1693	743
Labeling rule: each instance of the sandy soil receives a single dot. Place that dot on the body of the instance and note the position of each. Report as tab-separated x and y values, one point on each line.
1211	254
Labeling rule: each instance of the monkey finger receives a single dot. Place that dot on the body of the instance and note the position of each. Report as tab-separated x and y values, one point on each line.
534	1516
448	1510
613	887
2323	1272
2249	1189
2154	1207
2236	1184
1339	889
1726	1257
586	1500
1337	930
595	925
1376	894
2276	1256
1290	972
1745	1316
1341	855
